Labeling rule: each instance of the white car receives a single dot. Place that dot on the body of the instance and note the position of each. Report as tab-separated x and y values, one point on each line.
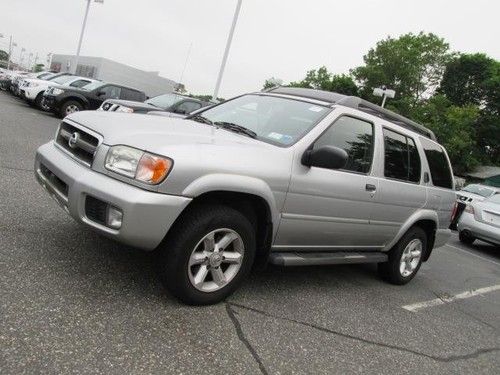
32	90
481	220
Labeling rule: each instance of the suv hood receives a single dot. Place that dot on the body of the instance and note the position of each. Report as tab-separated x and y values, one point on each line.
161	134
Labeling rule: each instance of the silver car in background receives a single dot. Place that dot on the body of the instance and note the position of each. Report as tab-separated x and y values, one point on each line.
481	220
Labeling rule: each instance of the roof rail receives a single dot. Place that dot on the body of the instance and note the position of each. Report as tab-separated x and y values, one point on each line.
356	103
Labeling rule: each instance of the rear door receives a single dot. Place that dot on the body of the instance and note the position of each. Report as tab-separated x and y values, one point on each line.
401	190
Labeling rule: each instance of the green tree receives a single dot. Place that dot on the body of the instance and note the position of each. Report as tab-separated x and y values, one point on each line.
322	79
4	56
475	80
38	68
272	82
454	127
413	65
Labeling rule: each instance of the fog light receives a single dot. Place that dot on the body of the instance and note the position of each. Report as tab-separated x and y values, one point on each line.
114	217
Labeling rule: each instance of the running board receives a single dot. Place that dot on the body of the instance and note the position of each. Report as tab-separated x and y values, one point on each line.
316	259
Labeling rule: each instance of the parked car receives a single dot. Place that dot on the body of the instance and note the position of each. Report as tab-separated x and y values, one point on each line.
290	176
15	77
172	102
67	100
32	90
471	193
41	76
481	220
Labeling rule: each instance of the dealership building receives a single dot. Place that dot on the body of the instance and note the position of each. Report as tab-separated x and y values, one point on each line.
111	71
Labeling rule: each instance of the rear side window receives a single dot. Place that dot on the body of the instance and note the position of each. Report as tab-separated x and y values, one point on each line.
133	95
438	164
402	161
355	137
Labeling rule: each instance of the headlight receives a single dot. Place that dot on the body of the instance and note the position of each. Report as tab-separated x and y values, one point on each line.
124	109
56	91
137	164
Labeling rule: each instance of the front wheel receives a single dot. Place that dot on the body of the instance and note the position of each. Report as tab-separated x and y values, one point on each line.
405	258
207	255
465	237
69	107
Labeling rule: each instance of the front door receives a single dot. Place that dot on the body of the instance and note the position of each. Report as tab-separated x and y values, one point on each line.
330	209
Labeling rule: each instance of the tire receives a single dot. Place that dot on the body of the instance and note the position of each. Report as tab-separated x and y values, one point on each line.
69	107
38	101
465	237
393	270
184	244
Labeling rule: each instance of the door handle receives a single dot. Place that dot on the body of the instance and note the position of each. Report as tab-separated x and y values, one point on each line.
370	187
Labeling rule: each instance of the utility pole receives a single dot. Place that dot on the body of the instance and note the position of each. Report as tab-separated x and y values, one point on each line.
10	53
82	33
226	52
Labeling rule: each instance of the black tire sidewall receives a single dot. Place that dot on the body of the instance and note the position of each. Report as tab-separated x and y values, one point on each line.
390	270
62	110
179	245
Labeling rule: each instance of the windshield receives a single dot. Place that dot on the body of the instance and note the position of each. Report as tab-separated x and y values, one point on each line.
93	85
165	101
275	120
61	79
478	189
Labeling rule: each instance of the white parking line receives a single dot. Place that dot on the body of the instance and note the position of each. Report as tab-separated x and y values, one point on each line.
441	301
471	253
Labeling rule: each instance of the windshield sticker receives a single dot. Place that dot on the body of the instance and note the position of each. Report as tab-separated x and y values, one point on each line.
283	138
315	108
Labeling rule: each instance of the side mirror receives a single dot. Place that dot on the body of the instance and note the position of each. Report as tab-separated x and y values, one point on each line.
180	111
328	157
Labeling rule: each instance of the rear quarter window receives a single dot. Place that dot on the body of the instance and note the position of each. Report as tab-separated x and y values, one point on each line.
438	164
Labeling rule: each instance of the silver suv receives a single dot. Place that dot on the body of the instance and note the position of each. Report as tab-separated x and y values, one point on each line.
290	176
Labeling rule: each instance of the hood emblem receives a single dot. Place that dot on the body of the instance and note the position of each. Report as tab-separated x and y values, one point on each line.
73	140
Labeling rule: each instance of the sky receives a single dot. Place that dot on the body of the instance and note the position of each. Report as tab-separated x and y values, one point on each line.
273	38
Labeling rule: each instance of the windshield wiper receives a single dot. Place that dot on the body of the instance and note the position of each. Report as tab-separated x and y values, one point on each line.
236	128
200	118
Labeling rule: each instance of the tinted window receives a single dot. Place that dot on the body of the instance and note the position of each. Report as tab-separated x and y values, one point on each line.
134	95
110	92
188	107
355	137
438	164
79	83
401	157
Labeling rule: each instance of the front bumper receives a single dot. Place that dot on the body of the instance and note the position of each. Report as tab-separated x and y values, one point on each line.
482	231
30	93
147	216
49	102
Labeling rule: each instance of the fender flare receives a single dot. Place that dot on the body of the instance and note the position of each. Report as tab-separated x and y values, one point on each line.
422	214
237	184
77	97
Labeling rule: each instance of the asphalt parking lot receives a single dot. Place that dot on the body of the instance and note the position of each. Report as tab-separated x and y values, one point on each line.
74	302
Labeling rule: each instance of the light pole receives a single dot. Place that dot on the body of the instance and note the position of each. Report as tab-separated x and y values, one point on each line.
385	93
83	32
11	46
21	57
226	52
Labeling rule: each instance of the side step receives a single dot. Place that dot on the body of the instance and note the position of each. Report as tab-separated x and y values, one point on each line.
316	259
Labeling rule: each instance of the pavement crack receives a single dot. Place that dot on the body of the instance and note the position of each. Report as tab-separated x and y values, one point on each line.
451	358
241	335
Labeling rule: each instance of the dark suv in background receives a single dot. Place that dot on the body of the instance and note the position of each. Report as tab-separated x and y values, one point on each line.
64	101
173	102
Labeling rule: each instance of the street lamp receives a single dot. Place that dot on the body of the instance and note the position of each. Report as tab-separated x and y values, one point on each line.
83	32
226	52
385	93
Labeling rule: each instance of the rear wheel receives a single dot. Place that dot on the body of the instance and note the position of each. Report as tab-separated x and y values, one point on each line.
405	258
69	107
207	255
466	237
38	100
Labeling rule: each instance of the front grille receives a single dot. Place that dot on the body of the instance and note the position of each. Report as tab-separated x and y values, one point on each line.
110	107
77	142
96	210
50	90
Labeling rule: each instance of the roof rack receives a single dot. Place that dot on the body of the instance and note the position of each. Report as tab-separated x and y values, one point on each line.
356	103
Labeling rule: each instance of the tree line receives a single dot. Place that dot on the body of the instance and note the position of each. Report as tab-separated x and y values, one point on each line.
457	95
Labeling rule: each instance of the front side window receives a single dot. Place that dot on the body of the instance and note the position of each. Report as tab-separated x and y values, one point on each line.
355	137
438	164
276	120
402	161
